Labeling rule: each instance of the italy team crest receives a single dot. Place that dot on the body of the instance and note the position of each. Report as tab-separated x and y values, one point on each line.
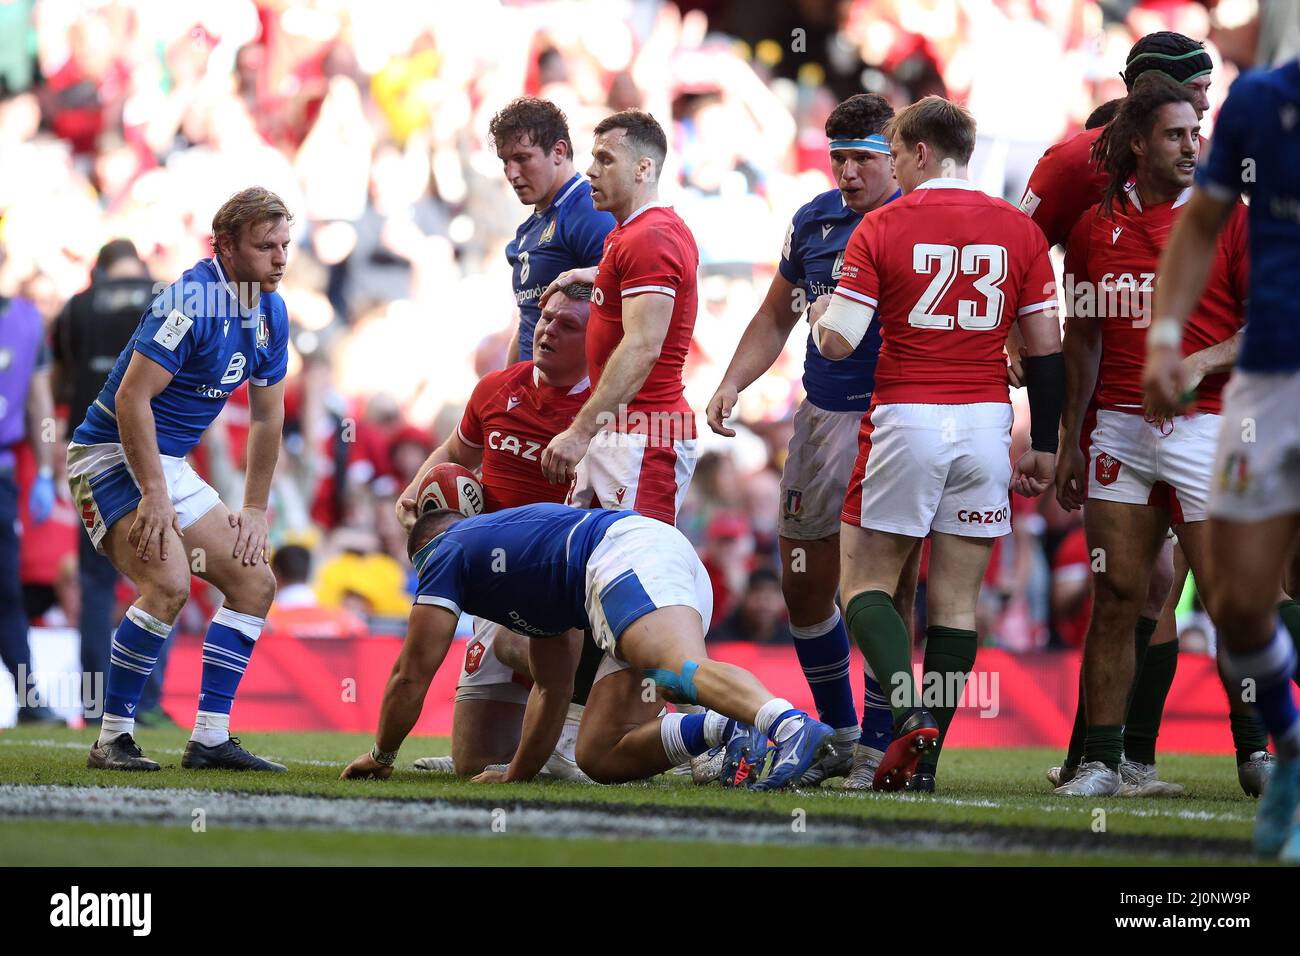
793	502
263	332
548	233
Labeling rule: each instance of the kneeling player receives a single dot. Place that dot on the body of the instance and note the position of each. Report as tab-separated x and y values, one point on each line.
510	417
542	570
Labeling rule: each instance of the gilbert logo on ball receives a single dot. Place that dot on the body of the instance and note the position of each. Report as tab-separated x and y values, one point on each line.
450	486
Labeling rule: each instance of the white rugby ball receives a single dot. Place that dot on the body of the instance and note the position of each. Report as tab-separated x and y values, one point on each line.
450	486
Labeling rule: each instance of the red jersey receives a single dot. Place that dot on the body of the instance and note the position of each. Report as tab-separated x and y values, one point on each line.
1112	262
947	269
1063	185
650	252
513	415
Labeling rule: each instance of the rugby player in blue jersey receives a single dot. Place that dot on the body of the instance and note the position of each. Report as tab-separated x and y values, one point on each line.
638	585
565	231
145	508
1255	502
825	440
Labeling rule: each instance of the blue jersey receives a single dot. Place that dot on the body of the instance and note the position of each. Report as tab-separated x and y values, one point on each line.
1256	149
198	331
568	234
525	568
811	259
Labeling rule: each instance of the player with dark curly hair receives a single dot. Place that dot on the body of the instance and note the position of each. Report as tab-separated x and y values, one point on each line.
1140	473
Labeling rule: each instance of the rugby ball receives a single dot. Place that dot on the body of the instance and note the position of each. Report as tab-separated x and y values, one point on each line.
450	486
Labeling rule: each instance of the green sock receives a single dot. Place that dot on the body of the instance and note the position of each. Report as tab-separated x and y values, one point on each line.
1147	706
950	653
1104	743
882	636
1248	735
1142	640
1289	611
1074	752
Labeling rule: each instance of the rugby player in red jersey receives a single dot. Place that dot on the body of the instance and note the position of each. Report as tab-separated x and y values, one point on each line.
945	270
1055	201
1140	473
510	418
632	446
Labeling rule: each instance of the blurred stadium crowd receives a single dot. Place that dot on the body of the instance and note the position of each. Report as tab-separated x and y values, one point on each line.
137	118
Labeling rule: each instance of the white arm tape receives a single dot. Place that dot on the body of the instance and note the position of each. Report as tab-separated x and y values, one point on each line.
850	319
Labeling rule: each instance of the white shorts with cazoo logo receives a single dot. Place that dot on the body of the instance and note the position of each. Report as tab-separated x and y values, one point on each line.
1257	461
1163	465
923	468
483	676
817	470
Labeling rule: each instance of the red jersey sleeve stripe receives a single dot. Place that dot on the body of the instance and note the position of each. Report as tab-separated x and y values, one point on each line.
461	435
856	296
638	289
1038	307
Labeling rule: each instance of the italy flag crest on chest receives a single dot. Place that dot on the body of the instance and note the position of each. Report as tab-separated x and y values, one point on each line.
263	332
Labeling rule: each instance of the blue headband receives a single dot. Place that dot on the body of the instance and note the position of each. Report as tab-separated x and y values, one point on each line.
875	143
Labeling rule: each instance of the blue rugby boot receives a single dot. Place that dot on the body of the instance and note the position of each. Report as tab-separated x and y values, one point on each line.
743	756
794	755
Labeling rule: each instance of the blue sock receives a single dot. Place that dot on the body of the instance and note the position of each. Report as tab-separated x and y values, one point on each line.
1271	668
877	719
692	731
227	647
136	644
683	736
823	651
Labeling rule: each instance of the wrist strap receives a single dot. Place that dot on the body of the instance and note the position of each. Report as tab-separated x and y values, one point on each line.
386	758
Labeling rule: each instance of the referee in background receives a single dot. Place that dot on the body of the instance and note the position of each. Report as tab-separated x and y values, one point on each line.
89	334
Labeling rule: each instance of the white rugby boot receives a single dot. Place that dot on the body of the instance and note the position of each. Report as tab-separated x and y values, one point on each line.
1140	780
1093	779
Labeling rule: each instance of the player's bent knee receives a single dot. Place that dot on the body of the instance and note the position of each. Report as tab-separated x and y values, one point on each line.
254	592
677	686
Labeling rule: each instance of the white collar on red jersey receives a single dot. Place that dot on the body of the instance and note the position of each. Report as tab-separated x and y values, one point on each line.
653	204
948	182
1136	200
580	387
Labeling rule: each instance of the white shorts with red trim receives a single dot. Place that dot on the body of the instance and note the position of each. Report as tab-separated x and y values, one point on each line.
648	473
924	468
817	471
1134	461
482	674
1257	461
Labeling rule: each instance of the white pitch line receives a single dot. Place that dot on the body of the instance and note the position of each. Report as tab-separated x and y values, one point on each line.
1062	807
229	810
1146	812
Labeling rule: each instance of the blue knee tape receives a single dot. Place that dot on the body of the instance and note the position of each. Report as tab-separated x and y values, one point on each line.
680	688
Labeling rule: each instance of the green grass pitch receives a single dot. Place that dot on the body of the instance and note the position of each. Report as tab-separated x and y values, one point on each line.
994	807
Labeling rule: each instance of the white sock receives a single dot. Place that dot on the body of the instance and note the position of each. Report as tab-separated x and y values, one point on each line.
817	630
211	729
670	733
847	735
769	712
715	726
111	727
